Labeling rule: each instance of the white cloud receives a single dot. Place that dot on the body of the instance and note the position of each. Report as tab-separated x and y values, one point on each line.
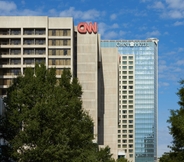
84	15
142	28
115	25
7	7
113	16
180	62
170	9
163	84
158	5
110	35
102	27
155	33
180	49
143	1
175	14
23	2
175	4
122	33
178	23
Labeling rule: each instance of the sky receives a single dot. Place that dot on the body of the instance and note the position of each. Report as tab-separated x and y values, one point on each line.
130	20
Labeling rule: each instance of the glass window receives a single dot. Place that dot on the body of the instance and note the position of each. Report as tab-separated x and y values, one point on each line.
130	57
124	67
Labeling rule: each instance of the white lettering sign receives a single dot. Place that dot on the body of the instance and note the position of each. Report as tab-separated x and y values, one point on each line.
132	44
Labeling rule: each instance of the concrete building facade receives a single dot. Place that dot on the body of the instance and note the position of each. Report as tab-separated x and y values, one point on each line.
119	78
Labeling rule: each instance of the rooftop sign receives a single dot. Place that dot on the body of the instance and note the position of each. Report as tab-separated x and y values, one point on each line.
132	44
83	28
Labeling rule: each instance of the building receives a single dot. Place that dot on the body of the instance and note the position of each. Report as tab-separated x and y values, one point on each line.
119	78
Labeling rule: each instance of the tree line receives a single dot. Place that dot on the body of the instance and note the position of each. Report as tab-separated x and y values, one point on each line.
44	120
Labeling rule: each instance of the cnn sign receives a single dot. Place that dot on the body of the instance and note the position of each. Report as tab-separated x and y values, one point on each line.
83	28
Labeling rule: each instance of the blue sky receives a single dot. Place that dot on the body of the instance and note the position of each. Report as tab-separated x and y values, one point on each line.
132	19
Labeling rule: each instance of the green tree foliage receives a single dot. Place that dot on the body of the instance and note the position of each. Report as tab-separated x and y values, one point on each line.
176	129
44	120
122	160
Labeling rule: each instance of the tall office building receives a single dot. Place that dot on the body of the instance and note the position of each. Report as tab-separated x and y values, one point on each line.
138	92
119	78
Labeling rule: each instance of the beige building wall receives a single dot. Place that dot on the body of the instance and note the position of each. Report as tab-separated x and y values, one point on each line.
25	40
109	62
87	73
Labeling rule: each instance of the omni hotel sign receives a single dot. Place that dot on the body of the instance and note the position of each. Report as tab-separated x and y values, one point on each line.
84	27
132	44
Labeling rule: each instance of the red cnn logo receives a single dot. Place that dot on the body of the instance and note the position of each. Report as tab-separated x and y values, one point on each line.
83	28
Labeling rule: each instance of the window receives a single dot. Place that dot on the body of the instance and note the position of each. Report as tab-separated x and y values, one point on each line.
130	141
131	155
130	111
53	52
124	141
124	92
130	146
64	32
64	42
124	62
124	146
124	131
53	32
130	101
124	72
124	67
53	62
130	121
65	52
130	92
130	57
124	97
53	42
124	101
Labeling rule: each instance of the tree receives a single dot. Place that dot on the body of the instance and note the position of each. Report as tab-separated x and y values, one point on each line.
122	160
176	129
45	121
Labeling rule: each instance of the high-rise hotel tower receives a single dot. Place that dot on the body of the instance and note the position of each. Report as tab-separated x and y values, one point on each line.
119	78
